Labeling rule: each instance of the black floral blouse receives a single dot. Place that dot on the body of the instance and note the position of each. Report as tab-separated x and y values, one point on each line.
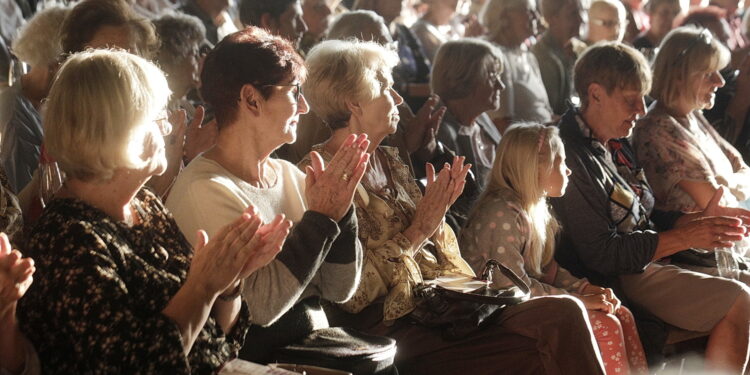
100	286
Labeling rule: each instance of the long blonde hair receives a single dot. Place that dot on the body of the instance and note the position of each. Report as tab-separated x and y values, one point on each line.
527	152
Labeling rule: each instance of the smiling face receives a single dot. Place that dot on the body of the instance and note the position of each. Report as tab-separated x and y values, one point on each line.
488	91
604	23
281	112
705	86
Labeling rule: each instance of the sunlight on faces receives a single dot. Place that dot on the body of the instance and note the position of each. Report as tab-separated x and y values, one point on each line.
107	100
380	114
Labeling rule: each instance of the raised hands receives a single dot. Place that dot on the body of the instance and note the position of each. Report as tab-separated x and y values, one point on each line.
422	131
15	276
330	190
239	249
441	192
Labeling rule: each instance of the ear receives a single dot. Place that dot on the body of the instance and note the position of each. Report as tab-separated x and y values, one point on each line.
250	98
595	93
354	108
269	23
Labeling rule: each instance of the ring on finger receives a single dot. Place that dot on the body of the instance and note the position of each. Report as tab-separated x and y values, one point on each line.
345	177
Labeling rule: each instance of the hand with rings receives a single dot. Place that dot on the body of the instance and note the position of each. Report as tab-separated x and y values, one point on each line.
330	189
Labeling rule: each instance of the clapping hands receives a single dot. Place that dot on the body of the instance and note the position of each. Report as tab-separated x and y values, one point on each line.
15	276
441	192
330	190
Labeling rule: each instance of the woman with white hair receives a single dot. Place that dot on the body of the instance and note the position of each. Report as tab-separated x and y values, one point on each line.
405	238
684	157
38	45
510	23
137	297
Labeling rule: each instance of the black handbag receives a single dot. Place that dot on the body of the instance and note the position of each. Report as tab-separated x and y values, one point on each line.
459	310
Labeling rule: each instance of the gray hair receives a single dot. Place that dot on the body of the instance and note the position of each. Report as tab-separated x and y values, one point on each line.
38	42
494	15
180	34
355	24
460	65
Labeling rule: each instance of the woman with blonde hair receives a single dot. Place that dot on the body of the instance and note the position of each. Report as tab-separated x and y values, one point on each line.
136	297
684	157
405	238
513	216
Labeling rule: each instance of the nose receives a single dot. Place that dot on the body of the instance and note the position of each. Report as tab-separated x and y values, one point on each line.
640	107
718	79
397	99
301	25
302	106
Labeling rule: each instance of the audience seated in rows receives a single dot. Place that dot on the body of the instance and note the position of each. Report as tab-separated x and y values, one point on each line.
137	297
406	240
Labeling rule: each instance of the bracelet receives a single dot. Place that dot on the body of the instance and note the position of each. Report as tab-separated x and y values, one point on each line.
235	293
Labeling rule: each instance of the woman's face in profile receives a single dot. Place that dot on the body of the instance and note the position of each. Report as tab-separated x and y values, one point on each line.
380	116
280	112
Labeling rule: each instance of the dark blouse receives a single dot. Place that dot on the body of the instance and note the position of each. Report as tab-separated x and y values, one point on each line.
100	286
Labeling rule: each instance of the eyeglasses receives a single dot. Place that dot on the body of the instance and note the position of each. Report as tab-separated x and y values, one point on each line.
605	23
296	89
704	36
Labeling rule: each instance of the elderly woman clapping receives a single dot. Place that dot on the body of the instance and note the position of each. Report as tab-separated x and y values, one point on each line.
252	80
405	238
136	297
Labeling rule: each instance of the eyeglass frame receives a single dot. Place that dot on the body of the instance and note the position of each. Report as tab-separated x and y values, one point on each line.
705	35
297	85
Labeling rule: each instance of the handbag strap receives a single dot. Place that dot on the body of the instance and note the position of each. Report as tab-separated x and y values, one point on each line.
493	264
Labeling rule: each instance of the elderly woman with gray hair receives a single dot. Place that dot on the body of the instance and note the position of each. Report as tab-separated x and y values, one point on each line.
510	23
466	76
405	238
137	296
38	45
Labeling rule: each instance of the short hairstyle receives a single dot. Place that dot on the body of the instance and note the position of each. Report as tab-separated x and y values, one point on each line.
495	13
250	56
460	65
355	24
252	10
38	41
105	101
342	72
88	16
612	65
610	4
684	52
179	34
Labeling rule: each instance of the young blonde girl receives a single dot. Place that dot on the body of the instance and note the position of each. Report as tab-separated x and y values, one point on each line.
512	223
